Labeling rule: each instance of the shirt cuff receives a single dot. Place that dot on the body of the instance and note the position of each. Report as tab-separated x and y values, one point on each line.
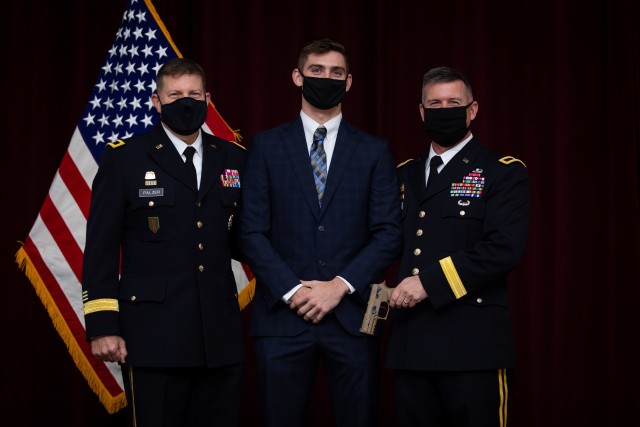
286	298
346	282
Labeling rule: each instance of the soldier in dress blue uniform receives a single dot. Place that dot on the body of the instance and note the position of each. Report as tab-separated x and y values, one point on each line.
465	220
158	289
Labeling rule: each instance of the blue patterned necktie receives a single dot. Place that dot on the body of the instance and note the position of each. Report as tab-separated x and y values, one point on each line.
319	161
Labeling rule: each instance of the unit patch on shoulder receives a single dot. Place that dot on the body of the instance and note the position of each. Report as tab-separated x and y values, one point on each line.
509	159
404	163
117	144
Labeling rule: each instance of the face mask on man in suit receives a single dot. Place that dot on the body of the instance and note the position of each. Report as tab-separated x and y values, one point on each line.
323	93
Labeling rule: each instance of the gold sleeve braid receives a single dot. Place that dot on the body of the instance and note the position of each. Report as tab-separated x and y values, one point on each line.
103	304
453	278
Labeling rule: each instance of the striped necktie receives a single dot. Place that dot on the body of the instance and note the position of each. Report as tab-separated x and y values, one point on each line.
319	161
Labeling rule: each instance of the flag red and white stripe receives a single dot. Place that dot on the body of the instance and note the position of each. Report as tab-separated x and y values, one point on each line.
119	107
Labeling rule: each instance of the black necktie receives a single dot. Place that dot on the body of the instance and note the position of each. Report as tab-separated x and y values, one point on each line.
433	169
319	161
188	153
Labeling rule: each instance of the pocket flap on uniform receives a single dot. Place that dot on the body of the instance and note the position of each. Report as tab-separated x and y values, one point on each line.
149	198
142	288
463	208
229	197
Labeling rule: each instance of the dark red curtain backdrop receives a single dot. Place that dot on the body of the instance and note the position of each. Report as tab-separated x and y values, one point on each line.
558	87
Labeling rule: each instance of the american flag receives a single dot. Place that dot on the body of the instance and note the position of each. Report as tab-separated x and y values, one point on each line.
119	107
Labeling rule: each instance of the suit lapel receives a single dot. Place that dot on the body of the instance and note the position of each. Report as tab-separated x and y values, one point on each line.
346	145
296	147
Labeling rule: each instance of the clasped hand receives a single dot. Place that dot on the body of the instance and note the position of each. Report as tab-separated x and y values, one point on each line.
316	298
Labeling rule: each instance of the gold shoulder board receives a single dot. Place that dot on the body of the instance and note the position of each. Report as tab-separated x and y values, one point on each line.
242	147
120	143
508	160
403	163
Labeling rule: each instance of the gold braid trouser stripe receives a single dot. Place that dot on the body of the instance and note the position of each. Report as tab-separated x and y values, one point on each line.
133	400
504	396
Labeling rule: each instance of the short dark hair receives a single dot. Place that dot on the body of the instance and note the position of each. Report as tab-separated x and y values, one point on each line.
445	75
177	67
320	46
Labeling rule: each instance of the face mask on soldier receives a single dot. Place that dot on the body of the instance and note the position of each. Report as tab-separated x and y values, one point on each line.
185	115
446	126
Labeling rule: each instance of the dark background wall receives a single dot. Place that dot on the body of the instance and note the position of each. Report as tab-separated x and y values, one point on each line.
558	87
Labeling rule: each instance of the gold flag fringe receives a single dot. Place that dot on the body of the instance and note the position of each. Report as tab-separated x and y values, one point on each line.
246	294
112	404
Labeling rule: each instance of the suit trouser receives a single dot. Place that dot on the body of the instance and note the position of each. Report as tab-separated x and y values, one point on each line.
184	397
287	367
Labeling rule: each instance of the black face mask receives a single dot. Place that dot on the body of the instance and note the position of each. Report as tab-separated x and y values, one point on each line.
185	115
446	126
322	93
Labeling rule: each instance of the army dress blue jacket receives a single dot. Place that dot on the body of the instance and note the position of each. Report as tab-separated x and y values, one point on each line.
157	263
462	237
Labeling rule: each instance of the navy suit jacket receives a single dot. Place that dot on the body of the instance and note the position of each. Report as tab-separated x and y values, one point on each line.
287	237
157	263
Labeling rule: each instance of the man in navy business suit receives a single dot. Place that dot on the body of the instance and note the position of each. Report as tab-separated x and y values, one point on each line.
465	215
158	289
320	224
